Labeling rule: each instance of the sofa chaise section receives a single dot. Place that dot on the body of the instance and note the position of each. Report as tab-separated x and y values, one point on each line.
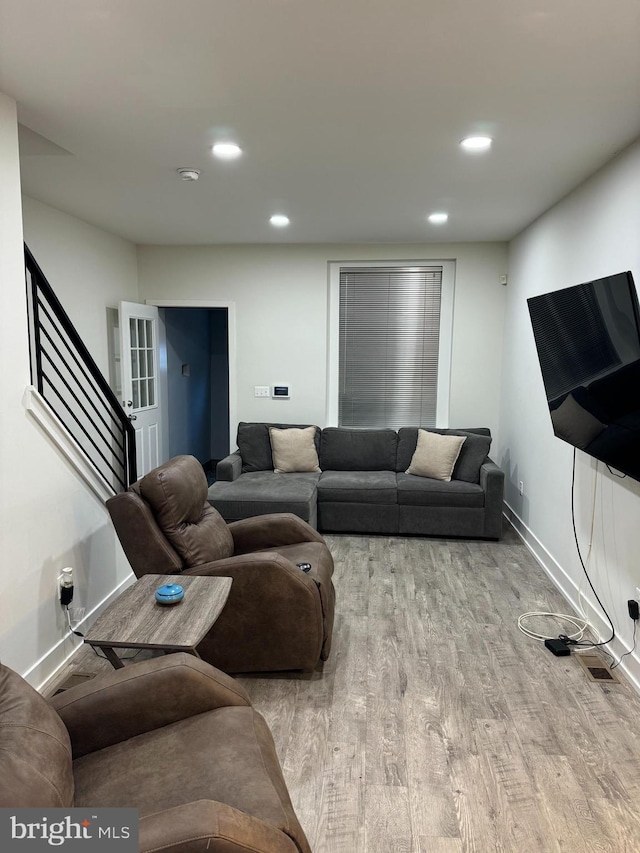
246	484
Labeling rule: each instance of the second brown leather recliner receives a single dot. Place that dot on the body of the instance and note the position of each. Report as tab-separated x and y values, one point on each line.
278	617
172	737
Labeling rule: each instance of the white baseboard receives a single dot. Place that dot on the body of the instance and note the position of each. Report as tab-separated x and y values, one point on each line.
46	670
629	665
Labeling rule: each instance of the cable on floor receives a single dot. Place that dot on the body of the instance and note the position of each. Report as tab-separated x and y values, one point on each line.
579	624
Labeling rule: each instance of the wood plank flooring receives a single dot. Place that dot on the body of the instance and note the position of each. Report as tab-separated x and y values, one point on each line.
437	727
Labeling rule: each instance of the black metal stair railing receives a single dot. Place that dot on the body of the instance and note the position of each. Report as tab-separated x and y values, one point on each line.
71	383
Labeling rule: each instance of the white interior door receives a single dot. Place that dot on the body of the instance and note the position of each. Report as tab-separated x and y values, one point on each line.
141	398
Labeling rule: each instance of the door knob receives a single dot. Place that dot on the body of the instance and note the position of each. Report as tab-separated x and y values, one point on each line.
132	417
127	403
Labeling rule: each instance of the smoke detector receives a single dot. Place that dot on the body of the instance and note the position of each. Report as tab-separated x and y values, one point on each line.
188	174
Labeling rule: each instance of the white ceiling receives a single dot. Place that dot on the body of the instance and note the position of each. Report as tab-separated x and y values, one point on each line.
349	112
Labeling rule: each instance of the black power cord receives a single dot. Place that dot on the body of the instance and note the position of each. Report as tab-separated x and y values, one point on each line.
564	637
634	613
631	650
73	631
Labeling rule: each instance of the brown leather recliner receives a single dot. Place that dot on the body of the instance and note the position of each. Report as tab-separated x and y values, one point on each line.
277	616
172	736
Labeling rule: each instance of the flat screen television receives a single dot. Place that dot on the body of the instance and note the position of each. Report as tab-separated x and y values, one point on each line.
588	343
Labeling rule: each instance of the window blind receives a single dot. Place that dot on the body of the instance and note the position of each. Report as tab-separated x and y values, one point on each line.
389	337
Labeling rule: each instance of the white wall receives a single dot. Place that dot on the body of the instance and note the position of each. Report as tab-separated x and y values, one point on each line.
89	270
591	233
49	519
281	299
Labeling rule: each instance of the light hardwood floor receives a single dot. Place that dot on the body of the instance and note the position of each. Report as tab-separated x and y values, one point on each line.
437	727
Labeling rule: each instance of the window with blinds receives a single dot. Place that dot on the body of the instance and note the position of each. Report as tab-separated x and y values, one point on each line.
389	335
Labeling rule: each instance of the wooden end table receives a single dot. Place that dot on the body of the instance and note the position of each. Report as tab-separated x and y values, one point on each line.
135	620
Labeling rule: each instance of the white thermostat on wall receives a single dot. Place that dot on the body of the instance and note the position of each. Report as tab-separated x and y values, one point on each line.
281	391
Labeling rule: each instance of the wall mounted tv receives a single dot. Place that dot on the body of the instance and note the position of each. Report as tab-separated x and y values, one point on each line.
588	342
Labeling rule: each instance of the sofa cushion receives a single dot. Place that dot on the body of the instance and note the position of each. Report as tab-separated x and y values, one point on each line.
35	748
294	450
435	455
255	446
473	453
263	492
377	487
424	491
358	449
177	495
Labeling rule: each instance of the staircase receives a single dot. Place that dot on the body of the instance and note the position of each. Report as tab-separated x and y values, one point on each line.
71	398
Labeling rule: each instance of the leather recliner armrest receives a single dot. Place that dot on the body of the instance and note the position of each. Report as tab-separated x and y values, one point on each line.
211	826
270	531
263	567
142	697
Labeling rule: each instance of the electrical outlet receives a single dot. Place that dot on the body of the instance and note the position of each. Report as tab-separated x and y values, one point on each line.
261	391
521	487
638	593
76	614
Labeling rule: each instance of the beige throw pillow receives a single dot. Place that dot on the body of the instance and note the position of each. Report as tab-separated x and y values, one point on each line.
293	450
435	455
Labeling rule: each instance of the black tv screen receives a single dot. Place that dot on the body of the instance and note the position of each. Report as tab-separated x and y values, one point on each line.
588	343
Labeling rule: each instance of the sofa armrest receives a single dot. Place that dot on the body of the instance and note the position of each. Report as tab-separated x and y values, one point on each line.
212	826
492	482
142	697
492	477
270	531
230	467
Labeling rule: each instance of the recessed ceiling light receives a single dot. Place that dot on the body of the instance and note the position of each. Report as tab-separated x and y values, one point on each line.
279	220
476	143
438	218
226	150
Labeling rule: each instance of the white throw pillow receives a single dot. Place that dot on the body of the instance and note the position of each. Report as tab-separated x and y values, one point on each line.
294	450
435	455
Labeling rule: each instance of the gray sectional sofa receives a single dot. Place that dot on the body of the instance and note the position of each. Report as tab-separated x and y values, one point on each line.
362	486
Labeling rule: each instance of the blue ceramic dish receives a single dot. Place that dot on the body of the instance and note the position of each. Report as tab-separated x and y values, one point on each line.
170	593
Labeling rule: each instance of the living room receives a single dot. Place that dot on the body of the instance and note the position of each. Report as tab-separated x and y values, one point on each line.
280	291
